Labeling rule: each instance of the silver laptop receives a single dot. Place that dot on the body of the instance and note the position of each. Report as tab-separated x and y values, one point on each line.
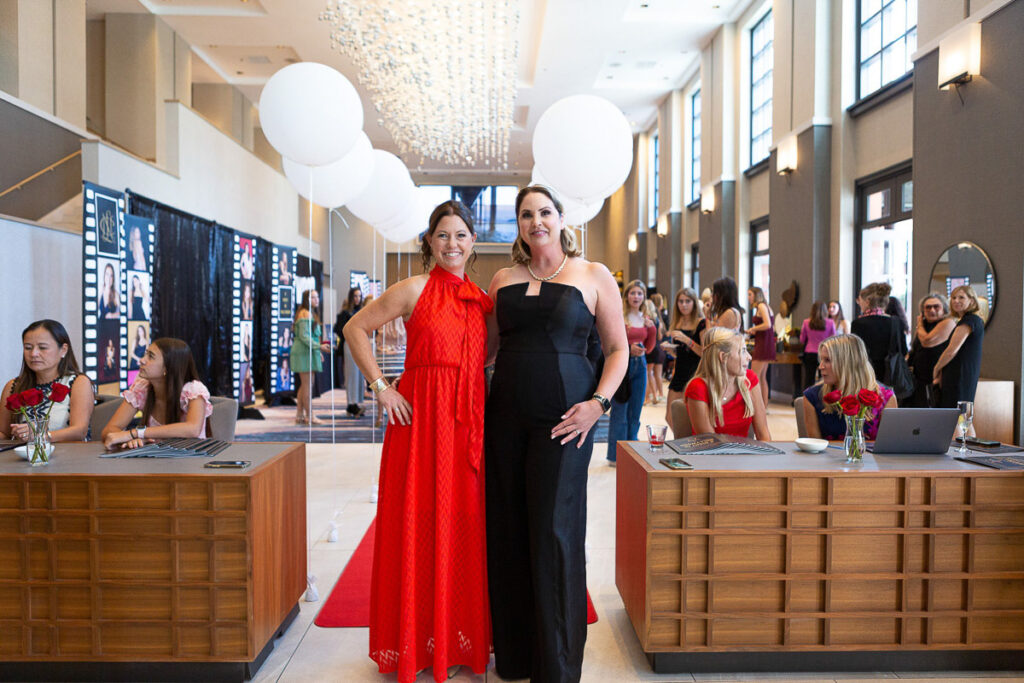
912	431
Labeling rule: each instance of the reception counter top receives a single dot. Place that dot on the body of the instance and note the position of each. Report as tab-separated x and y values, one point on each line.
801	562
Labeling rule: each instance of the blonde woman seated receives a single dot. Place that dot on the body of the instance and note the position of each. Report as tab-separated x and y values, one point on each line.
720	397
845	370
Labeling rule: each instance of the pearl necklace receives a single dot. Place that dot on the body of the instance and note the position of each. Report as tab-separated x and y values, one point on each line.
565	259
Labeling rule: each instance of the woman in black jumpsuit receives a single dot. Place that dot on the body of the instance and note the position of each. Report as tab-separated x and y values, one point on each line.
538	438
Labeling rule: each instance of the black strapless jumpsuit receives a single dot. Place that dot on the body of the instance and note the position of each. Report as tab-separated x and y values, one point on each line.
537	488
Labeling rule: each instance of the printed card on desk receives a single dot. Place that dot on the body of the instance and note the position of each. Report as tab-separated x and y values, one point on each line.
721	444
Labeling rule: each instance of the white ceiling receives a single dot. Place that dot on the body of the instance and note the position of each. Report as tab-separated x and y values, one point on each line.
632	52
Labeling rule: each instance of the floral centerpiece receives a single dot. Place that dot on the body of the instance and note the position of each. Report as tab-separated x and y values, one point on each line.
27	404
856	409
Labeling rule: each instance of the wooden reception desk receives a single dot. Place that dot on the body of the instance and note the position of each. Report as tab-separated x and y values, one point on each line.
797	562
144	568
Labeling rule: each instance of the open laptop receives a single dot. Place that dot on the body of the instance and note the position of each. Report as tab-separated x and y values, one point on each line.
913	431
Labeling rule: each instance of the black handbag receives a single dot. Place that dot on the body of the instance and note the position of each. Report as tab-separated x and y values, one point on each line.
897	372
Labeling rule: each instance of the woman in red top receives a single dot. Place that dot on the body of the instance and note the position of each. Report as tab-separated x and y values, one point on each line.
719	397
428	591
642	334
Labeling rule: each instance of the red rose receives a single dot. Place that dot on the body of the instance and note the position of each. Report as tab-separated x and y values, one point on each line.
850	405
59	392
14	403
833	396
32	397
869	398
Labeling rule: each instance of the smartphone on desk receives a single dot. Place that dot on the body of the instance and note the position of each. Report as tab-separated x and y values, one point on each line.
675	464
227	464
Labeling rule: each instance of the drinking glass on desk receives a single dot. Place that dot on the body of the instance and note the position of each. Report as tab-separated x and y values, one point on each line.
656	436
963	425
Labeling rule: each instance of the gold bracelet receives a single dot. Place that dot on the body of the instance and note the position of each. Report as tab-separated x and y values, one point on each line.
378	385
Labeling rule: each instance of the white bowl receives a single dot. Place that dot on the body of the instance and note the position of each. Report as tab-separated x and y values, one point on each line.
811	445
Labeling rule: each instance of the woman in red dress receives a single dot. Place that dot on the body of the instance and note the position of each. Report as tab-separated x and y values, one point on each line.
428	596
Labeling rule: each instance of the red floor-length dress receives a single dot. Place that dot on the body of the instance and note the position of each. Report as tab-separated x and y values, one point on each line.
428	597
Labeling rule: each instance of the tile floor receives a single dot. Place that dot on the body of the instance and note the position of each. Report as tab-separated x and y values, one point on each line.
340	479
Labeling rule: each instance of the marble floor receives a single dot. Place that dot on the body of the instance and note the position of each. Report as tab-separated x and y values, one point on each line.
340	479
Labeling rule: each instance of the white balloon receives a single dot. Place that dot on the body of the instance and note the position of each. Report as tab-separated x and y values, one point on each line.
310	113
412	222
584	146
385	197
578	214
336	183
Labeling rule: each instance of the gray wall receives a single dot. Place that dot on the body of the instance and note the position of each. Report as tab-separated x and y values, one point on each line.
47	265
799	222
968	165
718	236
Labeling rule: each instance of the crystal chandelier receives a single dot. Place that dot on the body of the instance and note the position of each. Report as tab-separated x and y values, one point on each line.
441	73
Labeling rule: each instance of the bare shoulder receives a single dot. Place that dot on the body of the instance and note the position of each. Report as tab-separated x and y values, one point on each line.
7	388
504	276
598	271
81	380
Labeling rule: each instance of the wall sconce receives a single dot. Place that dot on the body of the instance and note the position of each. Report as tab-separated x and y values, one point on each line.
663	225
707	199
960	56
786	155
631	244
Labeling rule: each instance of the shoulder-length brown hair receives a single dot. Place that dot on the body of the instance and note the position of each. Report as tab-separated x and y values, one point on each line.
180	367
26	379
819	314
520	249
452	207
305	306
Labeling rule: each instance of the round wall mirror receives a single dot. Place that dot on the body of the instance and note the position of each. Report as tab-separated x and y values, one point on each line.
965	263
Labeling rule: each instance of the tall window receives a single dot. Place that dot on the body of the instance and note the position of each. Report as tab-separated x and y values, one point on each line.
888	37
695	267
759	254
652	209
885	224
695	145
761	58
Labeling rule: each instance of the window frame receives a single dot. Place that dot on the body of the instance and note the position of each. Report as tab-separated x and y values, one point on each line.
897	84
769	76
757	226
652	213
891	178
694	267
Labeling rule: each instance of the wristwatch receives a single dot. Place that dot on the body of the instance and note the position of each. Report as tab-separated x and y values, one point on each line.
605	403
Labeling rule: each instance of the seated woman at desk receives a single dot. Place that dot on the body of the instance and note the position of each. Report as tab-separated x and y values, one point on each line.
844	366
720	397
48	360
174	403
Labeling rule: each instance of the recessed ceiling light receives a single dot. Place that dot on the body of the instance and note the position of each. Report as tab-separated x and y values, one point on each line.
615	65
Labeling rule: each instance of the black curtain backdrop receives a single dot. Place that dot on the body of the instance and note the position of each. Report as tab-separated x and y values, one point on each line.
193	277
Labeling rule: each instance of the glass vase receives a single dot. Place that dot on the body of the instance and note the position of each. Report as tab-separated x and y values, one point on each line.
38	445
854	439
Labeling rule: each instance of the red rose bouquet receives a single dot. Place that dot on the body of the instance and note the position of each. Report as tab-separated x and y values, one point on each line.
856	409
23	401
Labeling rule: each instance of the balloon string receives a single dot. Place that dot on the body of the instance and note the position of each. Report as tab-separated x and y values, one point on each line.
330	256
312	319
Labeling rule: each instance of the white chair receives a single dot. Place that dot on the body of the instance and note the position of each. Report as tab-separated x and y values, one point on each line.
798	406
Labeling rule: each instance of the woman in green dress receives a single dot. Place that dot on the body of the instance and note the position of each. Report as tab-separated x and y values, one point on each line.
307	354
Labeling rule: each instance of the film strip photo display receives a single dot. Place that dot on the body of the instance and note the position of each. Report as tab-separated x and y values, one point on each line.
282	315
243	312
104	297
138	274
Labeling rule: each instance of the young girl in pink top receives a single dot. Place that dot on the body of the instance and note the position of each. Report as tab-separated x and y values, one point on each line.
174	403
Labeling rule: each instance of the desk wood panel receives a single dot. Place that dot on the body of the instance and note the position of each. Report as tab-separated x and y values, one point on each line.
147	560
806	554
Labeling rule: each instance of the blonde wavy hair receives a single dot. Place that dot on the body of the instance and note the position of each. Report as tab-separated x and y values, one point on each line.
633	284
698	308
718	342
850	364
567	237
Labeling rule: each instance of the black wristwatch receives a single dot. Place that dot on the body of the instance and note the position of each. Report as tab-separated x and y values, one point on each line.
605	403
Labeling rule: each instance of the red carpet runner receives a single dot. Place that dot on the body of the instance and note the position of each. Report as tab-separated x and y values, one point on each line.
348	605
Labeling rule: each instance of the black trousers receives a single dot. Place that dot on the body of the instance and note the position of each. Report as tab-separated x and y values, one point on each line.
810	362
536	528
